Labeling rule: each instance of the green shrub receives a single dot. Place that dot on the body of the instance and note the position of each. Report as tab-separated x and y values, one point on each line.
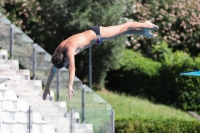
180	91
138	125
134	74
160	81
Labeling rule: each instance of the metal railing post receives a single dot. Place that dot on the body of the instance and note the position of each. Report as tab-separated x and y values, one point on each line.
0	120
58	85
90	67
11	41
29	124
83	104
112	121
72	122
34	61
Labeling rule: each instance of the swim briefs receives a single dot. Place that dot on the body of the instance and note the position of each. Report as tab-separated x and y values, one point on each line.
97	32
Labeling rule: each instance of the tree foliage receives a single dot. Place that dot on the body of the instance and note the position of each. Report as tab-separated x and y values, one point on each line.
179	22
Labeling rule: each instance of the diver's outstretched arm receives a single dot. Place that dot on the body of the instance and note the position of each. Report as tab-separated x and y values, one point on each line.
50	78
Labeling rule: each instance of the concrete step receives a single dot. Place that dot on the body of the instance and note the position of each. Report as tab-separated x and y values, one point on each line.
62	130
54	110
48	108
61	106
26	88
17	83
46	111
24	73
30	97
20	94
2	61
35	98
24	92
14	77
42	109
14	63
8	72
47	104
60	124
5	67
58	119
53	115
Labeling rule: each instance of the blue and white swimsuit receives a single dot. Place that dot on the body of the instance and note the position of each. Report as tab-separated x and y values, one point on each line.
97	32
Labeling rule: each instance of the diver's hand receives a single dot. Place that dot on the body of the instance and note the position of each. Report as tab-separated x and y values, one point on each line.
45	93
71	93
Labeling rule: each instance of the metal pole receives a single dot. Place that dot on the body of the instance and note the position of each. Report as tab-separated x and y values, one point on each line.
0	120
29	124
72	121
34	61
90	67
83	104
112	121
11	41
58	85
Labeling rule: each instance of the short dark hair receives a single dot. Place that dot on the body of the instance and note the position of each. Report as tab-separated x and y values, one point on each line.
57	59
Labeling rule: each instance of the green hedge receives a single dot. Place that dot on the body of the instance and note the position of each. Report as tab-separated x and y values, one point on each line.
156	126
159	80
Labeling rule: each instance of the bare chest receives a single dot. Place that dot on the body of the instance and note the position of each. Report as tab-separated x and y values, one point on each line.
80	49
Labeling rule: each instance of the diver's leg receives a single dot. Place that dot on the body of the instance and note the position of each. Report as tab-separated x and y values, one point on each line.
127	28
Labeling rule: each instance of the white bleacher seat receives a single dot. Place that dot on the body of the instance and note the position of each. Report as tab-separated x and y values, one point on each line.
3	79
21	117
3	87
18	128
77	117
48	128
8	106
11	95
22	106
89	131
84	128
5	128
6	118
79	131
36	129
89	127
37	119
1	97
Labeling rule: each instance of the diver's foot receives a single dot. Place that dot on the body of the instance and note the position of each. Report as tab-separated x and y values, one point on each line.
151	26
148	34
